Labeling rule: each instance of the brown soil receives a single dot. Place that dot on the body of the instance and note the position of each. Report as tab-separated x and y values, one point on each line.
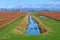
55	15
8	17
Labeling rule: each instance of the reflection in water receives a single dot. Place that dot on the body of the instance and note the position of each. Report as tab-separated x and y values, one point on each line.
32	27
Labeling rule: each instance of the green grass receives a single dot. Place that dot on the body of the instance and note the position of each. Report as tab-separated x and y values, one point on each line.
11	26
53	24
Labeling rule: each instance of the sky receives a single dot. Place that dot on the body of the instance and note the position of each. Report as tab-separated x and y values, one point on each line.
29	3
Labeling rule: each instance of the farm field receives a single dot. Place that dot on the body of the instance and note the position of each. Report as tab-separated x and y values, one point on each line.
54	25
55	15
8	17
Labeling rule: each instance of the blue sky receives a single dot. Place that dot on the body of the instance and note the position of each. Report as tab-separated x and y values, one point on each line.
28	3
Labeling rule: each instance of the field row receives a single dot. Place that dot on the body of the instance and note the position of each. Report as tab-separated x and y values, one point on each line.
8	17
55	15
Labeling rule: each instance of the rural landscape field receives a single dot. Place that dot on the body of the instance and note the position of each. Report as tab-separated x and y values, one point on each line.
13	26
29	19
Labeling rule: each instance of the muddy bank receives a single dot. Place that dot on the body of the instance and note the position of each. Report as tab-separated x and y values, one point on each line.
42	27
21	28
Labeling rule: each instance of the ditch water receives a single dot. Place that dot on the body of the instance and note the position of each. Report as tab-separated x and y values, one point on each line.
32	27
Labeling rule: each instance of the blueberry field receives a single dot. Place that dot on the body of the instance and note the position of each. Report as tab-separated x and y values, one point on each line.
22	26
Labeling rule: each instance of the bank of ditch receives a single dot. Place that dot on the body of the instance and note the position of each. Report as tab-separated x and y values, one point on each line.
42	26
21	27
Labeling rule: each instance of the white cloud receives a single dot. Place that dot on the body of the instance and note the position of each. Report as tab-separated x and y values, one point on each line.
51	4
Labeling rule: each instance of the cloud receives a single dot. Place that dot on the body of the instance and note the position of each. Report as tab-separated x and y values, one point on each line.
50	4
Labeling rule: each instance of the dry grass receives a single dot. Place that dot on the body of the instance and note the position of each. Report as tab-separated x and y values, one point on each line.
6	37
21	28
43	28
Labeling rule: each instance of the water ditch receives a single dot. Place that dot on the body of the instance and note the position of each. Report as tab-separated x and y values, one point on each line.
32	27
